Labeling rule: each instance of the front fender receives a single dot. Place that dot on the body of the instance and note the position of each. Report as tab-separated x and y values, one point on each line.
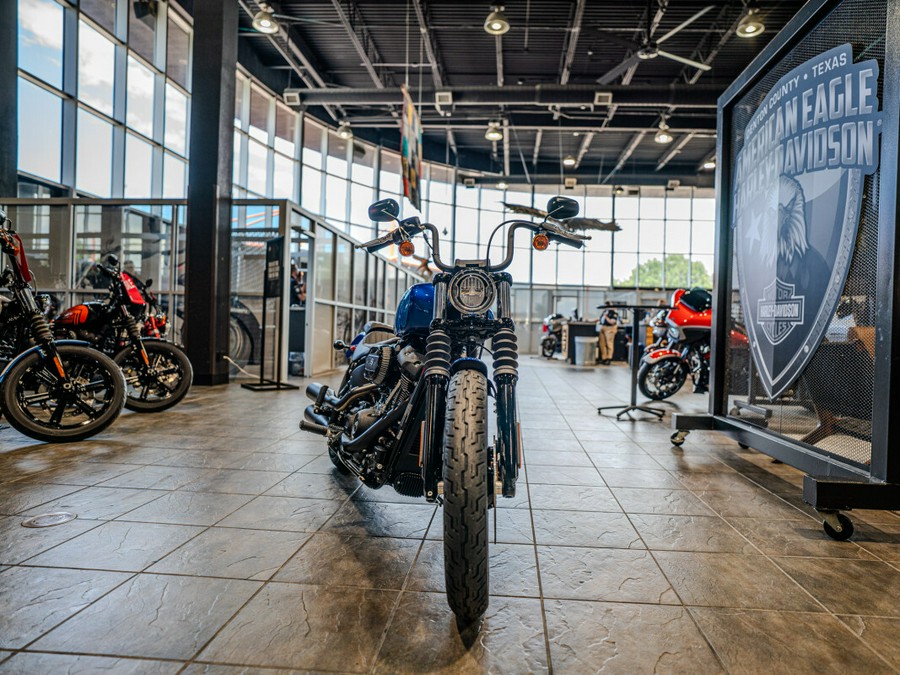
38	348
658	355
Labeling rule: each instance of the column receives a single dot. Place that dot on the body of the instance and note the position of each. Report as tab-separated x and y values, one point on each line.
208	254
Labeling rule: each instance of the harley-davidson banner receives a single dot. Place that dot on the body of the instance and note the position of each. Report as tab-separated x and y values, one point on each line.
796	201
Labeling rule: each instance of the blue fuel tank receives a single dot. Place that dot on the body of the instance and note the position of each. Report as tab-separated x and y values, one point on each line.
415	311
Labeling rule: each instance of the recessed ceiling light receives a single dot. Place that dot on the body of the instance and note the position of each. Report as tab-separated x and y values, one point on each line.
496	23
750	25
710	164
569	161
502	185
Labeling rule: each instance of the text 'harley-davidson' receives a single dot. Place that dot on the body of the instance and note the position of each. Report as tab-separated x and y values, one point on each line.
412	410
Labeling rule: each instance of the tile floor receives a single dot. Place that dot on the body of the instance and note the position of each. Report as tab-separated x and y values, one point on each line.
215	538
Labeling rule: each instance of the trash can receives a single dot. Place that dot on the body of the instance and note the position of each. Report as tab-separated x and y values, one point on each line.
585	351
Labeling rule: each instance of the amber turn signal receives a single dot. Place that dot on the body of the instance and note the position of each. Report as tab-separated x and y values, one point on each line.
407	248
540	242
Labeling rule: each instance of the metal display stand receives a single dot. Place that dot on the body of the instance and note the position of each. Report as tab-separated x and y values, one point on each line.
635	366
836	479
273	287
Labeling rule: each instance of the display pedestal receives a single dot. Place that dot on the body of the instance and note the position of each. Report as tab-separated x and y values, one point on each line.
635	366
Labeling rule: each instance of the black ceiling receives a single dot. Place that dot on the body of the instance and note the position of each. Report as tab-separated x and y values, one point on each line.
369	44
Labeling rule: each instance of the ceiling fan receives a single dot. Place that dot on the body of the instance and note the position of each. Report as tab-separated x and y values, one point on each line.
649	48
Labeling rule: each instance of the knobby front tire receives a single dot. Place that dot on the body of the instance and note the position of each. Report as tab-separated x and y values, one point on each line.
466	496
35	406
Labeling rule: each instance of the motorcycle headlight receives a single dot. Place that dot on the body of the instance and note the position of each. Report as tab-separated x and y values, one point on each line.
471	291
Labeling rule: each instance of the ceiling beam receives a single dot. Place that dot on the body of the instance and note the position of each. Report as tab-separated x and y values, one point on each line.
586	141
674	150
431	51
498	47
544	96
538	137
295	58
362	41
574	34
626	153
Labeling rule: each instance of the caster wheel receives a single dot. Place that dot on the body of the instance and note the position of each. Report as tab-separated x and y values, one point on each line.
678	438
844	533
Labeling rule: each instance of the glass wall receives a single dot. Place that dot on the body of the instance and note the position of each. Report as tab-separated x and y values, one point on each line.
104	97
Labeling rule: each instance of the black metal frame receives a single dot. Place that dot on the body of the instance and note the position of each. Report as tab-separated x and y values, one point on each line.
635	367
833	482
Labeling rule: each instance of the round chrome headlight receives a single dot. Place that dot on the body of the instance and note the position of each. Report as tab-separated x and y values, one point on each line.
471	291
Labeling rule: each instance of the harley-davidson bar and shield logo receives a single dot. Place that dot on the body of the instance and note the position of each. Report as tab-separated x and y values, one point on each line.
797	192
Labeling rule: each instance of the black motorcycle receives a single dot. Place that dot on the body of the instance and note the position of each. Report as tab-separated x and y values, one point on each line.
158	373
551	343
412	412
50	390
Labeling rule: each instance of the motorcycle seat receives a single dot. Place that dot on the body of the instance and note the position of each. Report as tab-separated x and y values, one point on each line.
377	326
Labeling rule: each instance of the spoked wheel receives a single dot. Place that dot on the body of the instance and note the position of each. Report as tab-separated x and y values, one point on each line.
660	380
466	496
160	385
40	404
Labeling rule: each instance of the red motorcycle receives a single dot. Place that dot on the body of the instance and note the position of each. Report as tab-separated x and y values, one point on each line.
681	348
125	326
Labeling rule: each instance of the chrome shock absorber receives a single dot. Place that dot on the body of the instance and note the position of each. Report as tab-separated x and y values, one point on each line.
134	336
40	328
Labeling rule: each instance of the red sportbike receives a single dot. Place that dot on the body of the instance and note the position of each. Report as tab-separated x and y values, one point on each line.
681	348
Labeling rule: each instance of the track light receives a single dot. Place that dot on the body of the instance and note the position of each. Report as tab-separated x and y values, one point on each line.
264	20
496	23
345	131
750	25
710	164
619	191
663	137
494	132
502	185
569	161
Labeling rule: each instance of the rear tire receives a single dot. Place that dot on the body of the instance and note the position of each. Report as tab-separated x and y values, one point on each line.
660	380
466	496
31	402
169	383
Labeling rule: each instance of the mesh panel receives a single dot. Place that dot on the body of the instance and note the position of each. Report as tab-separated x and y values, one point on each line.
829	407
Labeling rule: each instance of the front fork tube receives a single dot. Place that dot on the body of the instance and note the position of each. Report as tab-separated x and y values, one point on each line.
508	450
433	434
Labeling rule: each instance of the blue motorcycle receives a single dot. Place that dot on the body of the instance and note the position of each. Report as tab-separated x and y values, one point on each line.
412	409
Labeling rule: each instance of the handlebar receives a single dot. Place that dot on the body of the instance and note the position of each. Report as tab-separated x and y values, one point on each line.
411	226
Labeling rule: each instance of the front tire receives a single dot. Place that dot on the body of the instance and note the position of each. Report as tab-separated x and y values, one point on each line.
162	385
660	380
35	404
548	347
466	496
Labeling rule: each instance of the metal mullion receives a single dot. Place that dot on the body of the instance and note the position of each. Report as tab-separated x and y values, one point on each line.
69	104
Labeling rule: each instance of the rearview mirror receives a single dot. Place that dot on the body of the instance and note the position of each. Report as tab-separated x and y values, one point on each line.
148	283
112	260
562	208
384	210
